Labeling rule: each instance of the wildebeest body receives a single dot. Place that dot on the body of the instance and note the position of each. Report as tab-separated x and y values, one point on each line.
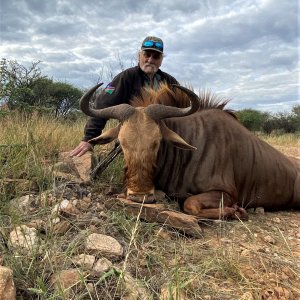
229	169
229	158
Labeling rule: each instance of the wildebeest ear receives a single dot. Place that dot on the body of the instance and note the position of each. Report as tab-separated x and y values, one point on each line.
107	136
172	137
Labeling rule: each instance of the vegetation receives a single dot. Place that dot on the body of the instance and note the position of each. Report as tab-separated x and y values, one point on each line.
264	122
26	89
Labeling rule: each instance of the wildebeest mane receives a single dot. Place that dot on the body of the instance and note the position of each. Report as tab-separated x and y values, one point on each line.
176	97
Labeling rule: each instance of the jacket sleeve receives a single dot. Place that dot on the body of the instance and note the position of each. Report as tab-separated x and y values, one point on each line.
116	92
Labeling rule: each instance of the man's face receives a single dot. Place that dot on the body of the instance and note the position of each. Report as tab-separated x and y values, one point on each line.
150	61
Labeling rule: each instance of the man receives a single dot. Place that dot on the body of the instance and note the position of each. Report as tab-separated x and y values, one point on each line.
126	85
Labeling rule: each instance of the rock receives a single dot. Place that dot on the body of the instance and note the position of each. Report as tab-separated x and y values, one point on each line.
55	221
104	244
158	213
101	266
61	227
24	237
83	204
23	203
259	210
269	239
85	261
185	223
55	210
276	220
7	286
70	209
65	206
66	280
82	165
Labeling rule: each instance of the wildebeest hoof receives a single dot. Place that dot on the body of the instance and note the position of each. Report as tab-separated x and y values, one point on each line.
147	199
242	214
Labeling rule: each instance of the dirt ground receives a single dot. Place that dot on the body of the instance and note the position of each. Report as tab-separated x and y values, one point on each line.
289	151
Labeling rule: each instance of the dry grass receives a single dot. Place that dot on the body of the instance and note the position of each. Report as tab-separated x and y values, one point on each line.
289	143
49	134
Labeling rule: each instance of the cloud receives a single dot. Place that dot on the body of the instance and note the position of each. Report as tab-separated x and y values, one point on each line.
247	50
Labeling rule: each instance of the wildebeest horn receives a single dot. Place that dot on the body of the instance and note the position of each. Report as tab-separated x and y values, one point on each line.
158	112
120	112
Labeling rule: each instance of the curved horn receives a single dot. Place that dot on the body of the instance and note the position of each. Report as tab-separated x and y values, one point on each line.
120	112
158	112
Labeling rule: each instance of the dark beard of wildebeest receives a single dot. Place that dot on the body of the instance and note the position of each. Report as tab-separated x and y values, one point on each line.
190	147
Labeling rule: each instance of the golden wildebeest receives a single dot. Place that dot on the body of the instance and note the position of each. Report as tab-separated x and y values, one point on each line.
191	147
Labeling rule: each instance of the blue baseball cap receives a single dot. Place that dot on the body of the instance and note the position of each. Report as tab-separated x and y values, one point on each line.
153	43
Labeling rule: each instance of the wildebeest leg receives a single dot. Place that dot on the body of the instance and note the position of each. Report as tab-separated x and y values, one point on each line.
214	205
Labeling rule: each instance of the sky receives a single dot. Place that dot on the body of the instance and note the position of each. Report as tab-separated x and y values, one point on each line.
244	50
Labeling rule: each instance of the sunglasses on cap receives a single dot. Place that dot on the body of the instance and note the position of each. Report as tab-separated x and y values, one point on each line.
152	44
149	53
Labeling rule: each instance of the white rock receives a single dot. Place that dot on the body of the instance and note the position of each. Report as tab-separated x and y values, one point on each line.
102	265
23	203
24	237
85	261
64	204
104	244
55	221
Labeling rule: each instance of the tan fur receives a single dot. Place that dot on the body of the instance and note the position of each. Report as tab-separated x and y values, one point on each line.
140	157
176	97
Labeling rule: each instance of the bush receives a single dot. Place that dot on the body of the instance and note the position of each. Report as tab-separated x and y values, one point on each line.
261	121
252	119
283	122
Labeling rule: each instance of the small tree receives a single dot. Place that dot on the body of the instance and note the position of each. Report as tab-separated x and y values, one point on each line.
16	82
64	97
296	116
26	89
283	122
252	119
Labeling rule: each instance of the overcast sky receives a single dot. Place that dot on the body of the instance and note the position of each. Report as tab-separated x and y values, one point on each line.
246	50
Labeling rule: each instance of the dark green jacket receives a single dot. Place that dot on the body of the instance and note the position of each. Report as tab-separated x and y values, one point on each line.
123	87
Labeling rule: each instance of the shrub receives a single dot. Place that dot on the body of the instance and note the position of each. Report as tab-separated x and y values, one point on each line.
252	119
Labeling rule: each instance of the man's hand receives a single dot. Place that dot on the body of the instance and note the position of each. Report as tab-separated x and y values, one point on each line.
82	148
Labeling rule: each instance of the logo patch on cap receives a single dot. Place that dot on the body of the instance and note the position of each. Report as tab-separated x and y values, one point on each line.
109	89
